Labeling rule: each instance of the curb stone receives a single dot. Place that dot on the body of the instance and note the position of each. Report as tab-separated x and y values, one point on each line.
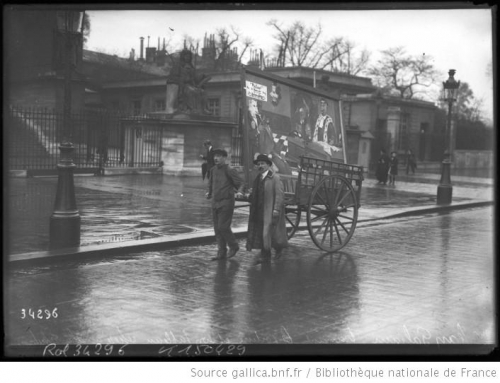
198	238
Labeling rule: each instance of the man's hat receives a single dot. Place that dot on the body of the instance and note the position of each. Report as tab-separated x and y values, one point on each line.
264	158
222	152
207	142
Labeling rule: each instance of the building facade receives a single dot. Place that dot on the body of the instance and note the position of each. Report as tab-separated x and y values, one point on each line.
37	44
36	50
396	125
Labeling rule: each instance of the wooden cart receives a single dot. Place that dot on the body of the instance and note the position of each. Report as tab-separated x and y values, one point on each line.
328	193
317	179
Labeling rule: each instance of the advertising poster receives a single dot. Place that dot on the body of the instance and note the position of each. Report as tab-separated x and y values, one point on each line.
287	121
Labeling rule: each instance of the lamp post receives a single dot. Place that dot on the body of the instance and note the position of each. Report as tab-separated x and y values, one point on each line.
65	220
445	189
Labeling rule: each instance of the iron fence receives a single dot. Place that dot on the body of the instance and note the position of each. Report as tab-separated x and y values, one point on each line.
425	146
101	138
236	148
34	136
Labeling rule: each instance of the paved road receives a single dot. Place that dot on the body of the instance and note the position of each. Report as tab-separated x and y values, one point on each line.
422	279
128	208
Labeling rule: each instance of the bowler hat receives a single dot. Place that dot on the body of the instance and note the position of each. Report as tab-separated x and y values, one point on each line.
263	157
222	152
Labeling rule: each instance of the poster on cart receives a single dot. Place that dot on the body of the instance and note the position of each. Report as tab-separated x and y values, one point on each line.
287	119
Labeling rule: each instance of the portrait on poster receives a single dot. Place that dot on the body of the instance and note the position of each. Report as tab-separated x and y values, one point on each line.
288	121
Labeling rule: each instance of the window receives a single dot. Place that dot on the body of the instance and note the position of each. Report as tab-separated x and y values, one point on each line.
213	105
159	105
136	107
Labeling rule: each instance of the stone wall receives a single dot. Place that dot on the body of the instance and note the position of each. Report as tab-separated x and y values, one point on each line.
473	159
181	142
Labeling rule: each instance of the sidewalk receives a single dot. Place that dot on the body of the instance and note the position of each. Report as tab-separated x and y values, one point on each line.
138	211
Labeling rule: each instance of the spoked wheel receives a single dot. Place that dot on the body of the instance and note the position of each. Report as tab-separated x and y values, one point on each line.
332	213
292	214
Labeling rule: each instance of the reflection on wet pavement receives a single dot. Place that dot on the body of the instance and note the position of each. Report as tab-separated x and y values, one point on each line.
421	281
128	208
112	209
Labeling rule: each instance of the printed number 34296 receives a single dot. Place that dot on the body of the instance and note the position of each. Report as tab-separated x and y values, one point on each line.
39	314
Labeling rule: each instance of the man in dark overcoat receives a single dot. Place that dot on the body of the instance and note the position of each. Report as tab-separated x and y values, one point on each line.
266	223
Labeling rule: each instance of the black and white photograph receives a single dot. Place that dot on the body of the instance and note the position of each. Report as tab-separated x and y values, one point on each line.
237	181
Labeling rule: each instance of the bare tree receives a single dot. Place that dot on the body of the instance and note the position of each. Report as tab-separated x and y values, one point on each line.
344	59
227	41
468	106
402	74
86	28
299	45
191	43
226	44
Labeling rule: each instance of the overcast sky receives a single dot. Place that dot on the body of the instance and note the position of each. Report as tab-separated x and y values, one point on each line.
456	39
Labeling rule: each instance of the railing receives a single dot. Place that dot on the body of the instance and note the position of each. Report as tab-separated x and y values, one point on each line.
236	148
425	147
101	138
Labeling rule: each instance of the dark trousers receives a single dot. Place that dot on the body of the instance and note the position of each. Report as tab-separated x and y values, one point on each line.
222	218
410	165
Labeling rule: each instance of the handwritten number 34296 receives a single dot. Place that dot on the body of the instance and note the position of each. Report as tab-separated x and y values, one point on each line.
39	314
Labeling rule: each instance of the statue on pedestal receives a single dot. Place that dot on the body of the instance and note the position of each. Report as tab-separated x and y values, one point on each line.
190	98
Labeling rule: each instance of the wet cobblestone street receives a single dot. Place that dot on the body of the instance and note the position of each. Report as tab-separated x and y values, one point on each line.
127	208
426	279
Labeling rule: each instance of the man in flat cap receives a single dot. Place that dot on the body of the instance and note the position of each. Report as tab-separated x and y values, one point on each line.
223	182
266	223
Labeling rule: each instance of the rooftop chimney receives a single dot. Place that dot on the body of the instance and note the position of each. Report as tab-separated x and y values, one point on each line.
142	48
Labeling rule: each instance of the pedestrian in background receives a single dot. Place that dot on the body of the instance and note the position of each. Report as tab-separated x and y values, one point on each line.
411	162
266	223
223	183
382	167
393	168
209	158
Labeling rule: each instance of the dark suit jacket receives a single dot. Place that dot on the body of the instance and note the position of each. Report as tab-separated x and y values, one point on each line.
209	158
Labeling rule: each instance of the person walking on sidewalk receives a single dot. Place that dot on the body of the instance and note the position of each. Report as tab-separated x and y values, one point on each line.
382	167
393	168
209	158
411	162
266	223
223	182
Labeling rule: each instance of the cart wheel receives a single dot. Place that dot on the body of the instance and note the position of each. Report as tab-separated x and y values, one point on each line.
332	213
292	215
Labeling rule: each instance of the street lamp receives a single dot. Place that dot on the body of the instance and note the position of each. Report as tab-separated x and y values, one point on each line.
65	220
445	189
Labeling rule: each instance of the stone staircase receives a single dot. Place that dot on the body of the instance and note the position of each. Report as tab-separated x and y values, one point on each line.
25	151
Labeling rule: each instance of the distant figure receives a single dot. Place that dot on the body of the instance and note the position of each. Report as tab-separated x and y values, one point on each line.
382	167
266	222
209	160
393	168
222	185
411	162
